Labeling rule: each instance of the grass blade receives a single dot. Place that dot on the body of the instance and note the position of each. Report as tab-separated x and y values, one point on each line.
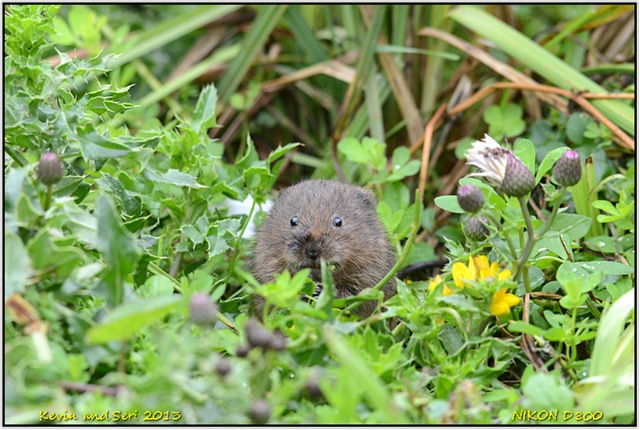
172	29
542	62
253	41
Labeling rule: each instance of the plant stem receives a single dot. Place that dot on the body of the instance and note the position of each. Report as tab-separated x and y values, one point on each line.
532	237
512	249
407	247
47	200
234	259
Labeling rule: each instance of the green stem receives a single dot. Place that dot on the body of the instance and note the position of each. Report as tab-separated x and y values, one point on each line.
525	278
16	155
234	259
47	200
408	244
512	249
532	237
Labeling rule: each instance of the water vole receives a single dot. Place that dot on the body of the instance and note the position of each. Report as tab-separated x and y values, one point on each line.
336	221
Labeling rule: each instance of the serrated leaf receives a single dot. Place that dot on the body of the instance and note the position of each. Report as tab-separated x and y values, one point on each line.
131	205
117	246
126	320
94	146
280	151
204	116
172	177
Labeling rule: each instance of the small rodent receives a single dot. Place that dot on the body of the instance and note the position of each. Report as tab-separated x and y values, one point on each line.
326	219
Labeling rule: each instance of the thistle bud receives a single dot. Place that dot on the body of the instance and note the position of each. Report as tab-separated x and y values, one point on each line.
278	341
223	367
50	169
202	310
518	179
257	336
470	198
568	169
476	228
260	412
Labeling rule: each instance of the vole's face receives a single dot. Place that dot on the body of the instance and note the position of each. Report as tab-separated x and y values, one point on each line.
317	220
324	234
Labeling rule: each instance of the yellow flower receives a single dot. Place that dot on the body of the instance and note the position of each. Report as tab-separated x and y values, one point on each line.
437	280
478	269
463	274
502	302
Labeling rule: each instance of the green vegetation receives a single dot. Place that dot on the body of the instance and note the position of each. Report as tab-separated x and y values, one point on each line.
127	287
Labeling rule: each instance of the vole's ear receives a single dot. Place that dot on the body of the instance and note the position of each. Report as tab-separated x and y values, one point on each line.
367	197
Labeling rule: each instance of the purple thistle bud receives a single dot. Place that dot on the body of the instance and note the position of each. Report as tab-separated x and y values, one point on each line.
260	412
476	228
568	169
50	169
470	198
518	179
202	309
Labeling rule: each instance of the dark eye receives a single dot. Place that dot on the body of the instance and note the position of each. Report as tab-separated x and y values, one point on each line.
294	221
337	222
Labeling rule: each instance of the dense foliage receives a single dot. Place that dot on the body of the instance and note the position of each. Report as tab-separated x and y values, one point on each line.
143	144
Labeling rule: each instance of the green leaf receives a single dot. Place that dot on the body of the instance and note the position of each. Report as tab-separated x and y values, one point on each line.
17	264
526	152
549	161
576	127
131	205
449	204
523	327
128	319
155	286
118	248
547	391
573	225
368	151
172	177
280	151
95	146
204	116
543	62
46	254
504	120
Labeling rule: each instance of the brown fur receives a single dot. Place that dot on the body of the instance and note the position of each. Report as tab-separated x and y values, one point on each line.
359	249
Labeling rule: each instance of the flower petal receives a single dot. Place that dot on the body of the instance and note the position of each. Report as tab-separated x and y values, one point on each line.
505	274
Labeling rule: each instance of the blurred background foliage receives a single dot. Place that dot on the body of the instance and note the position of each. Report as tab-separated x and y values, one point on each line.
153	153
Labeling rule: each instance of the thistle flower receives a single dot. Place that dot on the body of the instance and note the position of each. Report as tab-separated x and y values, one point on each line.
202	309
470	198
259	412
500	167
518	179
50	169
502	302
476	228
490	158
568	169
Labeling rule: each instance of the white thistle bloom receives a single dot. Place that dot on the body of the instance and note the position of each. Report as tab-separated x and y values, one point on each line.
490	158
500	167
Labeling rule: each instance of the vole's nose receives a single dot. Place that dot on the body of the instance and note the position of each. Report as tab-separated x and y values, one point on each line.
313	252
